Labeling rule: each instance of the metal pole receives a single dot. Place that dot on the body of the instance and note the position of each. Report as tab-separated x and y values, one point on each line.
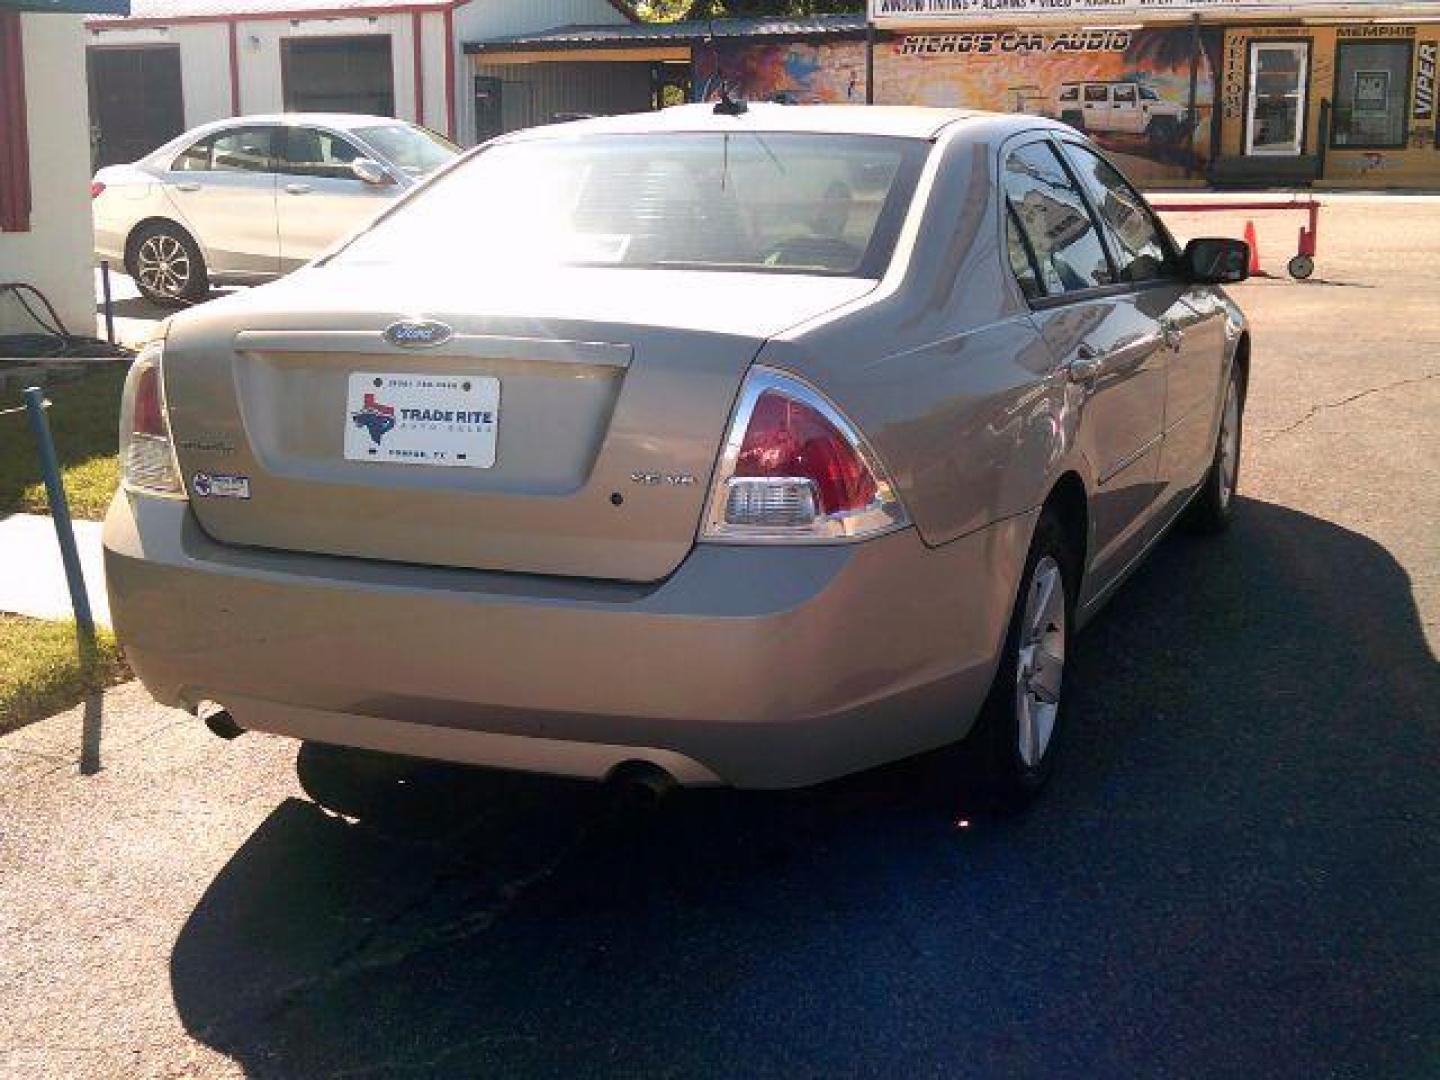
109	303
869	62
60	515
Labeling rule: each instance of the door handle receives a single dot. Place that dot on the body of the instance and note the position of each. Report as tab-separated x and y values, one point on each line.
1088	364
298	189
188	185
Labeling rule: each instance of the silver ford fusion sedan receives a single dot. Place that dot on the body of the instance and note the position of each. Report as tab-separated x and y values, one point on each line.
748	447
245	200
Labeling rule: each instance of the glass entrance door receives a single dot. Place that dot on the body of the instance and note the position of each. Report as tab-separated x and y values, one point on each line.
1277	97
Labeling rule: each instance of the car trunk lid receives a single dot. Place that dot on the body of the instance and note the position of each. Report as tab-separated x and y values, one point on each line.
613	386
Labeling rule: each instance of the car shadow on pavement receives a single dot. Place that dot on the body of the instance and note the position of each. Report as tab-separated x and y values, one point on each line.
1234	874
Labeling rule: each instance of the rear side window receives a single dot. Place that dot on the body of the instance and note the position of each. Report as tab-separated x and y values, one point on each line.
1022	259
1095	94
243	150
1070	93
1141	249
1053	221
194	158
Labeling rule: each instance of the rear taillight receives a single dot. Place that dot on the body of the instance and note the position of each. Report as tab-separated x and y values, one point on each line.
147	456
96	189
794	469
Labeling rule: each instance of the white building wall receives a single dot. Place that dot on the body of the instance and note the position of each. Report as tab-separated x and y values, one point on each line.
205	60
432	40
261	90
56	255
204	63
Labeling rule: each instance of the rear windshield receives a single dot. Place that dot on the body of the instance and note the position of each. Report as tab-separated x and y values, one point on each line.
783	203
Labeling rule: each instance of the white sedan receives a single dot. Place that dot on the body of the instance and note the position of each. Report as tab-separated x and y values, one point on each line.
244	200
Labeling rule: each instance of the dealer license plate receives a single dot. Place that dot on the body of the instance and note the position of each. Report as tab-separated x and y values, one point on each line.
422	419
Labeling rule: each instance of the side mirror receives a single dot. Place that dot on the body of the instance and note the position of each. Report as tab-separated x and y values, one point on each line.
371	172
1216	261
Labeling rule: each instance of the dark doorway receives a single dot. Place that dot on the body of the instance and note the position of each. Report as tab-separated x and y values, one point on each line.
338	74
489	102
135	101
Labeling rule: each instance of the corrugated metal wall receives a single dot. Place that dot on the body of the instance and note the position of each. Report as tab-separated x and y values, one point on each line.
533	94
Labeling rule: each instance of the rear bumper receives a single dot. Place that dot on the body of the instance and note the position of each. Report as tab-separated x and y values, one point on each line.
751	666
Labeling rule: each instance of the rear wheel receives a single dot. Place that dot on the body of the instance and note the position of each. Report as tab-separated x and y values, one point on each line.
168	267
1214	505
1020	725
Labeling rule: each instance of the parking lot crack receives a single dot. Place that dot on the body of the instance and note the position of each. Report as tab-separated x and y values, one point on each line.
364	958
1326	406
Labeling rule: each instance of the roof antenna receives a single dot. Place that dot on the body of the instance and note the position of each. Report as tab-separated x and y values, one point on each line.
727	105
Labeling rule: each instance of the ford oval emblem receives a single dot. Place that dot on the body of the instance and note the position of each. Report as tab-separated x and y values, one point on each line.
418	333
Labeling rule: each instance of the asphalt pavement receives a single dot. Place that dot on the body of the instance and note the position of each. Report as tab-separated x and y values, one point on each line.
1236	873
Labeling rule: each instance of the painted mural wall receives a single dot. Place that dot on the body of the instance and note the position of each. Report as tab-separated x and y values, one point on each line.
1128	89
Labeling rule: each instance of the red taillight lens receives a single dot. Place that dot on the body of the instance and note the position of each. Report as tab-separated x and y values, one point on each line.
794	469
96	189
147	459
149	410
787	438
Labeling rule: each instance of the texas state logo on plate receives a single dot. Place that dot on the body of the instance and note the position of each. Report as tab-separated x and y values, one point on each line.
410	419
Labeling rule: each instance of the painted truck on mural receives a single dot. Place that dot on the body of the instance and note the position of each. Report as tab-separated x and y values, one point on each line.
1120	107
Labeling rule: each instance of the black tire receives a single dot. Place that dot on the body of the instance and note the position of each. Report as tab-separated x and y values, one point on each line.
1214	506
1301	267
1007	779
1074	118
167	265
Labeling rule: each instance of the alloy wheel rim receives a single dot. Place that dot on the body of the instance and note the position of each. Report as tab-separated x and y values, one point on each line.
163	265
1229	445
1040	668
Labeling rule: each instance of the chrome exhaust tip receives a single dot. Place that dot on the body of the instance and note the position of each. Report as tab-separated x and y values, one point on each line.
645	781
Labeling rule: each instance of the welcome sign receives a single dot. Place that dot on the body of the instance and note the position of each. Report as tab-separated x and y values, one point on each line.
912	13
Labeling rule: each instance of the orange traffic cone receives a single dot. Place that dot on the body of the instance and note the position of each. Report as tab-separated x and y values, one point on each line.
1254	243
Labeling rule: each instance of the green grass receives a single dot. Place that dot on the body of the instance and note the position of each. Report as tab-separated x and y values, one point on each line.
85	422
41	672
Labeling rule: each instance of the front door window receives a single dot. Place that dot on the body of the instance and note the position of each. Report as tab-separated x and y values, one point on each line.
1278	72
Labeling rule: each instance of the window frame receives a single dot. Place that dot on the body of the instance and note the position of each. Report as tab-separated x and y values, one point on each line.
1172	249
1048	299
1406	93
1302	120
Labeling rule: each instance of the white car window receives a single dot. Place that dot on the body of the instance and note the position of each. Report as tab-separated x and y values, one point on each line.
314	152
194	158
246	149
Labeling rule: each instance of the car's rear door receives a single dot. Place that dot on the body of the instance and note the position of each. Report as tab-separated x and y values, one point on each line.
1106	333
319	199
1192	318
224	188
